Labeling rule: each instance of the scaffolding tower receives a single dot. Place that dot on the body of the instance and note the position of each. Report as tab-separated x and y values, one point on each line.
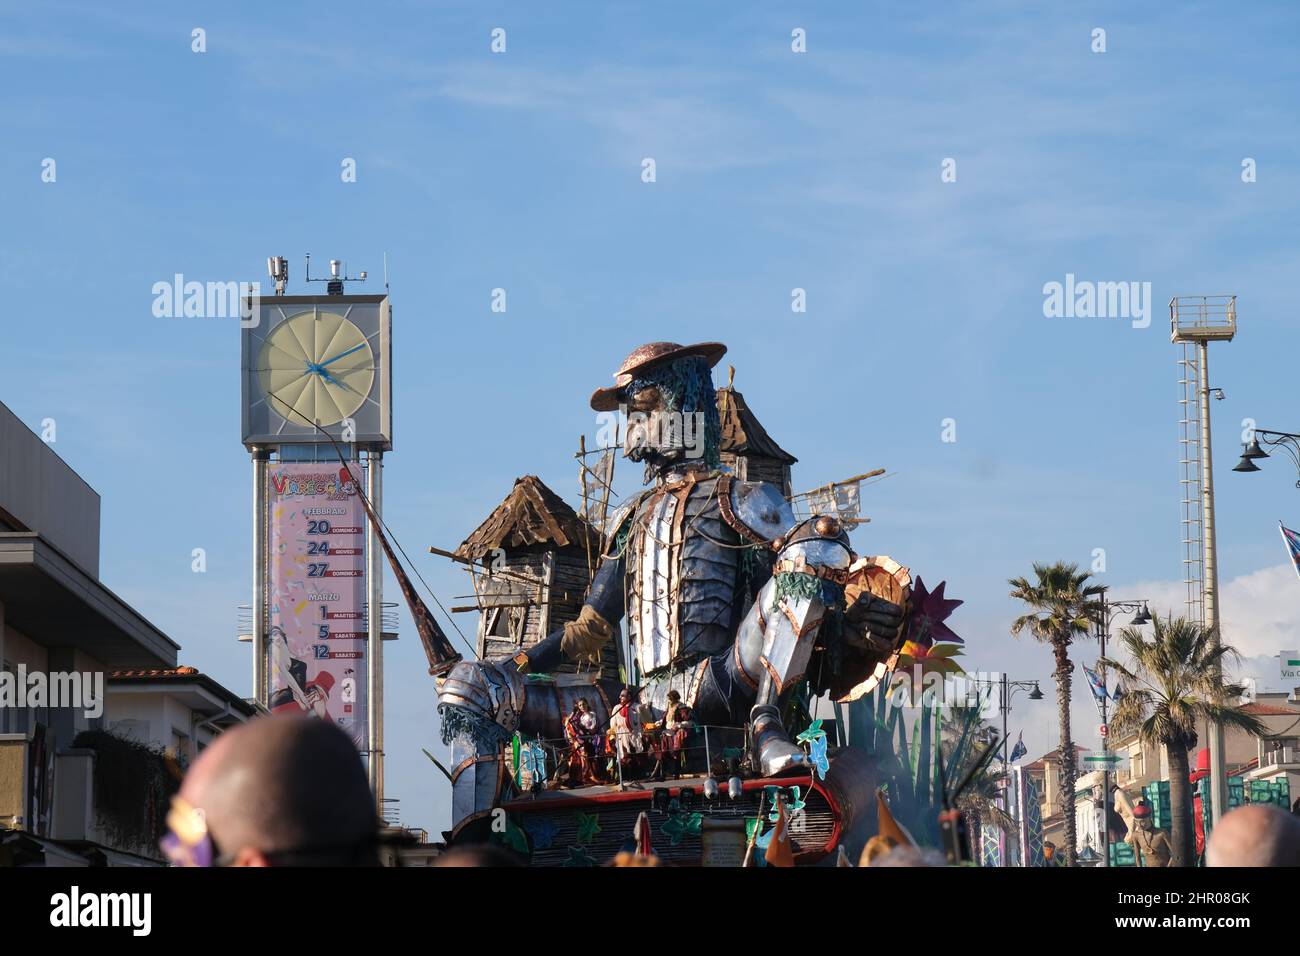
1195	322
1189	480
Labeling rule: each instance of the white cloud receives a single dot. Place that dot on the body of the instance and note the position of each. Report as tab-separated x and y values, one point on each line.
1259	611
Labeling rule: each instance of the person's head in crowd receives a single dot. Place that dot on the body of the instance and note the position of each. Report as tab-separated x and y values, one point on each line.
1255	835
910	856
477	854
284	790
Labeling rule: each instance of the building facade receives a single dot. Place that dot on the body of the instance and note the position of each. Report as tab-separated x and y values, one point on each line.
70	650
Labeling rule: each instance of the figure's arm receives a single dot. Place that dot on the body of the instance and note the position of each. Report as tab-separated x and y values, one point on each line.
761	515
582	640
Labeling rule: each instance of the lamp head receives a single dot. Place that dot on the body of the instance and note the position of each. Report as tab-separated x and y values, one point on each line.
1253	450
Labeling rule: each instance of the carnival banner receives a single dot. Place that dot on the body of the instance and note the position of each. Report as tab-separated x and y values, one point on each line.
992	845
317	594
1031	823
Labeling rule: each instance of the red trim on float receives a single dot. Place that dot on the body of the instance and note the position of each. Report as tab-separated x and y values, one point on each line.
837	815
812	855
542	804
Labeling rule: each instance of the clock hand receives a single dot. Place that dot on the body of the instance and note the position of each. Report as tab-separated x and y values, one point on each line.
343	384
342	354
319	369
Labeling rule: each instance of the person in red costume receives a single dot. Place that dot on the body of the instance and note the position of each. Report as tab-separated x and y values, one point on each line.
1198	816
318	694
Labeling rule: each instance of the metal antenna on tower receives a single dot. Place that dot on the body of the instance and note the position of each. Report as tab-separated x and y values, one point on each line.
1195	322
278	268
337	277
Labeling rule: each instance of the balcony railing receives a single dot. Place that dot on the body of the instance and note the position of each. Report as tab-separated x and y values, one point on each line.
1195	317
1279	757
388	619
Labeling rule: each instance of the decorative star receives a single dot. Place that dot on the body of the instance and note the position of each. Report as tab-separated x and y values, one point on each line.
578	856
814	732
793	801
929	611
514	838
542	831
680	825
588	826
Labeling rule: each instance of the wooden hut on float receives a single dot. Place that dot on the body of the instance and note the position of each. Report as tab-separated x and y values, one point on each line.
529	561
747	450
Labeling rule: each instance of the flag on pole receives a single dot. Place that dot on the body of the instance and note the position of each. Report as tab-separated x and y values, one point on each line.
1019	750
1292	544
1096	683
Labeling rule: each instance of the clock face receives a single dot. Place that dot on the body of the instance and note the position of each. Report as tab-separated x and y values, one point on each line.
316	367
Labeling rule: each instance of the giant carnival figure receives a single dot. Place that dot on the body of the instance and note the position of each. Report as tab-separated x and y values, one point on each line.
726	598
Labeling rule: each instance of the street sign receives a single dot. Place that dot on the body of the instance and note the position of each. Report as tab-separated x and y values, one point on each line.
1104	761
1103	730
1290	664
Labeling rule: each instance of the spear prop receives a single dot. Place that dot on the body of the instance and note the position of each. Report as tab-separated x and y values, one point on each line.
437	648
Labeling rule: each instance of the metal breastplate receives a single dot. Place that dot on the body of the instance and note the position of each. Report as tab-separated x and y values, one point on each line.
681	569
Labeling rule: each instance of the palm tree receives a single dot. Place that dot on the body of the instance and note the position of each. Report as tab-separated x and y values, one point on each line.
1062	607
1173	683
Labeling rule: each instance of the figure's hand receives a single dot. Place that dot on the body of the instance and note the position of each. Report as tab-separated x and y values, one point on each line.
584	638
873	622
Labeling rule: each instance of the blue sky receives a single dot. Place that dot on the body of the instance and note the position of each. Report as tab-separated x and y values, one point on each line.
775	170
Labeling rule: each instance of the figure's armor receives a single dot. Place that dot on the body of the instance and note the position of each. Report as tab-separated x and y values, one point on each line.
686	584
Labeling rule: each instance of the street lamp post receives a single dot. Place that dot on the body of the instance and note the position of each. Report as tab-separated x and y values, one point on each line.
1104	618
1006	690
1252	452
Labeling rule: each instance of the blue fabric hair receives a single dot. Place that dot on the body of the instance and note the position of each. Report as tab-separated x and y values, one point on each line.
687	388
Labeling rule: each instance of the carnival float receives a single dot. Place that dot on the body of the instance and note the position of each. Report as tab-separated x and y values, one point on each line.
651	678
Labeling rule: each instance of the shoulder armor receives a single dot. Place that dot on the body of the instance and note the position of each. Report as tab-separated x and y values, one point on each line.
755	509
621	518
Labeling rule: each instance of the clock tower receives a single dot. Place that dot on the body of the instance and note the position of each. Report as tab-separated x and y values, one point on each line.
316	378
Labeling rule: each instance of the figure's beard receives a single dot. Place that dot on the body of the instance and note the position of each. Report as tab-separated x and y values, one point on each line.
664	440
656	460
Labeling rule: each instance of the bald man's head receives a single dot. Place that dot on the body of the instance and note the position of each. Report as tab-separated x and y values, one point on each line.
285	790
1255	835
